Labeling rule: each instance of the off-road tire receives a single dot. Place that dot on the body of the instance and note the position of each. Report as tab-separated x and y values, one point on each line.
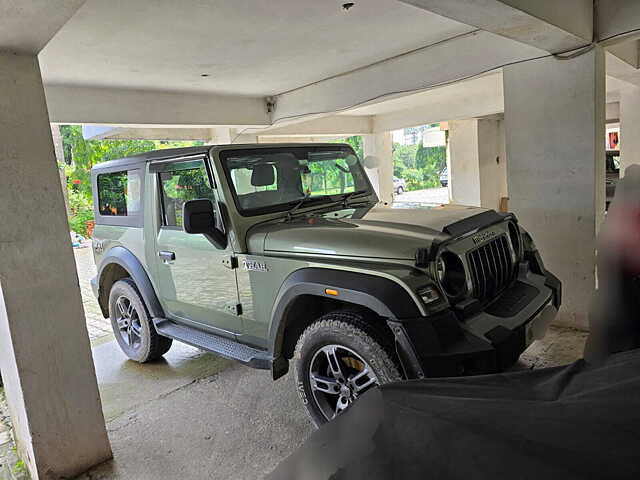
152	346
350	329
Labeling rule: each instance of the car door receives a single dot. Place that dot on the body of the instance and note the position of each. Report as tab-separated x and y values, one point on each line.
195	282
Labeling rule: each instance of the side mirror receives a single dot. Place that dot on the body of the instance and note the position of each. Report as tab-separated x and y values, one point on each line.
199	216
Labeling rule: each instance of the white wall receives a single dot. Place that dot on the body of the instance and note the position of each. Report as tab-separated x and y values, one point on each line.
477	162
629	127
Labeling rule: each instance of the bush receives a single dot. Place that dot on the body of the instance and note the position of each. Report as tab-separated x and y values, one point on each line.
80	212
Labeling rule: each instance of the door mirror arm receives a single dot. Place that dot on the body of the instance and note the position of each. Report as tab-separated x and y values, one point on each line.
199	217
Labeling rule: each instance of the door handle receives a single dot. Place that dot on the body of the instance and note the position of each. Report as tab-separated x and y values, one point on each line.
167	257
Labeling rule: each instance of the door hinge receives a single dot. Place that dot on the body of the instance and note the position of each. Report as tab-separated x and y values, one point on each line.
234	309
230	262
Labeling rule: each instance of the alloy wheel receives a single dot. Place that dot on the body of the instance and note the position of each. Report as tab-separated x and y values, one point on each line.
128	321
338	376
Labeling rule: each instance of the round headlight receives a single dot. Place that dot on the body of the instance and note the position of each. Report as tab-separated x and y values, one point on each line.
453	278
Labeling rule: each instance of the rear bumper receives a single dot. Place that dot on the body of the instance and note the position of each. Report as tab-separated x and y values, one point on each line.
450	343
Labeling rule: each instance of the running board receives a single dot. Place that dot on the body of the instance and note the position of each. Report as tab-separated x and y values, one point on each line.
222	346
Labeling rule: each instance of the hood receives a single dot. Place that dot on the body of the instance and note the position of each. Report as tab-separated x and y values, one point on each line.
390	233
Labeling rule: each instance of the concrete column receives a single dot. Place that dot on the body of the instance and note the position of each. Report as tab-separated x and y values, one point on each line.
477	162
380	145
629	127
45	356
555	124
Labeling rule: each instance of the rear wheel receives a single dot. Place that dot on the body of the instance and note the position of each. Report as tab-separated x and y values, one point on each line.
132	325
339	358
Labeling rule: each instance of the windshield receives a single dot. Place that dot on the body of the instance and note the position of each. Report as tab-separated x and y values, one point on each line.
275	179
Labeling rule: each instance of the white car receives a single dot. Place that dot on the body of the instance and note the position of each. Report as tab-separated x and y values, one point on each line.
399	185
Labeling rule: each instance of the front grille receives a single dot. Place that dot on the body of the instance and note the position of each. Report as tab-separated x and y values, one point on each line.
491	268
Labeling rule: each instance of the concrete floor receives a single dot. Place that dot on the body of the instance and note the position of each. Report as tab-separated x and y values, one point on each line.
195	415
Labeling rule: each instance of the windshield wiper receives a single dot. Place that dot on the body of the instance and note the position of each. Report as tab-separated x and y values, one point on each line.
299	204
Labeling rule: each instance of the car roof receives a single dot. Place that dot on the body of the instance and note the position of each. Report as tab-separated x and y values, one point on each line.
155	155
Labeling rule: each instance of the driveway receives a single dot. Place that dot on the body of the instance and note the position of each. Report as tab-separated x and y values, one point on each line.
99	328
430	195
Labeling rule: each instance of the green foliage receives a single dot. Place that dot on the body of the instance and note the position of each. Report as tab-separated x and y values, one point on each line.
420	166
80	212
87	153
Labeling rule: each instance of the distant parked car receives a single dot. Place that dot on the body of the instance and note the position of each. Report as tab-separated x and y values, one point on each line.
399	185
613	174
444	177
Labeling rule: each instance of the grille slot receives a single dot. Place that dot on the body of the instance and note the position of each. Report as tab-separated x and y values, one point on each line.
491	268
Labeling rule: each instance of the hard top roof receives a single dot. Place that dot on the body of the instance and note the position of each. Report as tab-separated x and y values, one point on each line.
169	153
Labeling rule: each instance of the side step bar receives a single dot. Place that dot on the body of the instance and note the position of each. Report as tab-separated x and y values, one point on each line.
214	343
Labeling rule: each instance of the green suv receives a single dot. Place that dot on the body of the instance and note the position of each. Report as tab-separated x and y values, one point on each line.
271	254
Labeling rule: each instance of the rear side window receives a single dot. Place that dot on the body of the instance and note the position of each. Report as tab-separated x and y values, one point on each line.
180	183
119	193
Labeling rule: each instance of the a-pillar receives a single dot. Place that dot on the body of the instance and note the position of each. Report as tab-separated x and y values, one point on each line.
380	146
629	127
555	125
477	162
45	356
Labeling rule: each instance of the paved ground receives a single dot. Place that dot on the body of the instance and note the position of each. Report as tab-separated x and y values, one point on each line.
97	325
195	415
430	195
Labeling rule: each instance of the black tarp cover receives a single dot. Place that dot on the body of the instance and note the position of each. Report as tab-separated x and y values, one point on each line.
571	422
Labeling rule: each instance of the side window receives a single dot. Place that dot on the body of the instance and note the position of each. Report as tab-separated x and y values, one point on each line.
180	183
119	193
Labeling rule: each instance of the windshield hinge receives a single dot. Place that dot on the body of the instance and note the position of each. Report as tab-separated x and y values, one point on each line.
230	262
234	309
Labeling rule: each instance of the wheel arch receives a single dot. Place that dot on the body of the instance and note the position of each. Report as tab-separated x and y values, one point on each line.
120	263
303	292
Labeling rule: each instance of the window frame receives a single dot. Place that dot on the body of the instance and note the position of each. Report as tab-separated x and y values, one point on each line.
129	220
281	208
168	165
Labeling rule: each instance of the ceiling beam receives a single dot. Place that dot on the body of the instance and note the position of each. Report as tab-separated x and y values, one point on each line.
27	26
109	106
474	98
459	58
335	125
550	25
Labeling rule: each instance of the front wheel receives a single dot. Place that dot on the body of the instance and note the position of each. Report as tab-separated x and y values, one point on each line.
339	358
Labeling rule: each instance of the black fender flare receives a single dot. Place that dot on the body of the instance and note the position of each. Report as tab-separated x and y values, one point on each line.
382	295
127	260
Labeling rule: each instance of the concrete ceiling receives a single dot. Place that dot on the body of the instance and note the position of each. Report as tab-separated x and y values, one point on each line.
246	47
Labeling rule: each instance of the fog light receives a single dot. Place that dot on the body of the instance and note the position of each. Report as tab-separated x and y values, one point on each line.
429	294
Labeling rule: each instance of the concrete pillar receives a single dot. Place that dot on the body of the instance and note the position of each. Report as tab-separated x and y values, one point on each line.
45	356
629	127
555	124
477	162
380	145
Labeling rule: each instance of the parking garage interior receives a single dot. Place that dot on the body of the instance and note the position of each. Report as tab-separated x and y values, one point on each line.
525	91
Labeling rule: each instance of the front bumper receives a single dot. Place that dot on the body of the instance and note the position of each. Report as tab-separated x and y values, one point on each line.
450	343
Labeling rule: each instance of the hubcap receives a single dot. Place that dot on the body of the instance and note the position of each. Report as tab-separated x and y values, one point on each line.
338	375
128	321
